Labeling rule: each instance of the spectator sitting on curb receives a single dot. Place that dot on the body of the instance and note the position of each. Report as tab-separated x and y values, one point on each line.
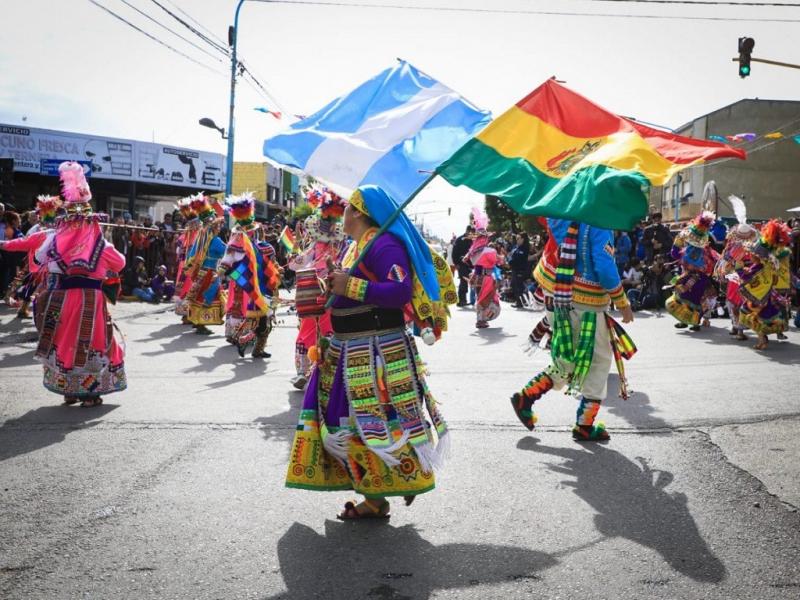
163	288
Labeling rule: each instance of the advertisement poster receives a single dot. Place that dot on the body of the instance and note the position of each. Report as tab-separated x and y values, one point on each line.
112	158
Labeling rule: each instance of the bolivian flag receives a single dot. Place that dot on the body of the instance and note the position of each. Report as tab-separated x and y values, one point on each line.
559	155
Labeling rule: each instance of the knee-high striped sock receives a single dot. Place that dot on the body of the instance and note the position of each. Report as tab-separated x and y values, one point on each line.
522	402
542	328
587	411
585	428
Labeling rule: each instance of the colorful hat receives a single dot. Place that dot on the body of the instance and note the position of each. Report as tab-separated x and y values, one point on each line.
775	236
480	221
329	204
75	188
47	208
242	208
697	233
201	205
185	208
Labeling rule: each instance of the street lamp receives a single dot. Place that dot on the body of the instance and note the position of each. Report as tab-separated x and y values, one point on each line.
206	122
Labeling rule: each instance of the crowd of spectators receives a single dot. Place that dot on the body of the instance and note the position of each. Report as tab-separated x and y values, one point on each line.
642	256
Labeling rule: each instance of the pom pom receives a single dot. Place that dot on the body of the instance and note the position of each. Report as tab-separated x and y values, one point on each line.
313	354
428	336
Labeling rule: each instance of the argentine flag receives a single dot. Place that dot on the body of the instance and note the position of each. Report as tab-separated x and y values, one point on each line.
391	131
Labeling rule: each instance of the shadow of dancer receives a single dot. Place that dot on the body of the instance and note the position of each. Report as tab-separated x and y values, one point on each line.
631	502
45	426
636	410
282	427
376	560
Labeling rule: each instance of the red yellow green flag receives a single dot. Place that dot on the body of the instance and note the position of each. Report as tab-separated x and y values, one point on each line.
557	154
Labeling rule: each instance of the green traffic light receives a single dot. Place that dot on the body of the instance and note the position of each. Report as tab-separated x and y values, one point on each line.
745	70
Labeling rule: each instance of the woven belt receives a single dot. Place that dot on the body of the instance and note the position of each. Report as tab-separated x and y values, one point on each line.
374	319
79	283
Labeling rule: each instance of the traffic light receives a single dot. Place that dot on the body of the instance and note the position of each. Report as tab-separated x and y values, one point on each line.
7	180
745	50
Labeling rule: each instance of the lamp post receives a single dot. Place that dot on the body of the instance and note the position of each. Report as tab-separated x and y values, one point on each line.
206	122
232	35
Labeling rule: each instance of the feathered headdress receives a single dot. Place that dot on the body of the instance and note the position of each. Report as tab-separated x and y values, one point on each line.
73	182
774	236
242	207
696	234
201	205
332	205
47	208
480	221
742	231
328	202
185	208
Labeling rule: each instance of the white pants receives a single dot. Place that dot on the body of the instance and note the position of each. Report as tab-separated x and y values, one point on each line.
595	386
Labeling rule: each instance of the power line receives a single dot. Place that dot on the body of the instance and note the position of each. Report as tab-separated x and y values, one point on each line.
219	47
175	33
501	11
246	71
152	37
196	22
704	3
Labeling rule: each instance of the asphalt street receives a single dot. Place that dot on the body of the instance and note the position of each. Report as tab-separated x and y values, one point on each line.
174	488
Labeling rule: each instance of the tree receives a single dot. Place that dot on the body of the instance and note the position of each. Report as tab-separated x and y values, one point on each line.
502	218
302	211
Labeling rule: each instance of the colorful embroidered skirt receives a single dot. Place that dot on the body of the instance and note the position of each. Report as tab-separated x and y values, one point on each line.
686	304
77	347
368	422
764	319
206	300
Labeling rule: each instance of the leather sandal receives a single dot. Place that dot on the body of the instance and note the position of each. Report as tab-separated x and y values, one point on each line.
370	511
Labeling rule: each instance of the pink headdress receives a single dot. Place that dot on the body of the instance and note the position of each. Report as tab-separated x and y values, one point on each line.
480	221
74	187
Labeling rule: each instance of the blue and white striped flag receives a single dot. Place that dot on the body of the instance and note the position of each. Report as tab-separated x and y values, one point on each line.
391	131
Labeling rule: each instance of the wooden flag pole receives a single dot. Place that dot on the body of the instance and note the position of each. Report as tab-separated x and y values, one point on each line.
383	228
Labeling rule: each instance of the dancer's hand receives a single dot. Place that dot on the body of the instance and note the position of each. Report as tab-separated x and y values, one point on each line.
627	314
337	279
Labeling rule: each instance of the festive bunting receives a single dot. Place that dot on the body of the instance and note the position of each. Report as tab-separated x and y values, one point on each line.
278	115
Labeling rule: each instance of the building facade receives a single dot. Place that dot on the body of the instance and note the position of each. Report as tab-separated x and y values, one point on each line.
768	181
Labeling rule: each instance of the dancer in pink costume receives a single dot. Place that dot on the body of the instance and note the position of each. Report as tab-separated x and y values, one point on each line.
484	258
82	359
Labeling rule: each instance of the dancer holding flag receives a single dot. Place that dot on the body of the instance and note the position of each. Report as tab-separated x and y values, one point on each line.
249	264
368	421
559	155
82	358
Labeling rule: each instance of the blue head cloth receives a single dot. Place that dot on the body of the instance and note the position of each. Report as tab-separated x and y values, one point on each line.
380	207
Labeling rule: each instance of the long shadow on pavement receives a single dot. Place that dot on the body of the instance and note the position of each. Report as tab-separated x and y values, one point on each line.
45	426
12	361
376	560
281	427
636	410
631	502
243	369
168	331
184	340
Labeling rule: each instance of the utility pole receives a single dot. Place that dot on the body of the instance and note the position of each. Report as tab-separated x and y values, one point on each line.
232	35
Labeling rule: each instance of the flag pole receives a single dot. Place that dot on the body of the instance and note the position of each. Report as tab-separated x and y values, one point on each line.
383	228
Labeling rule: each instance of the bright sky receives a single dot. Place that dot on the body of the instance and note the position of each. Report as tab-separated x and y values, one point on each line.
72	66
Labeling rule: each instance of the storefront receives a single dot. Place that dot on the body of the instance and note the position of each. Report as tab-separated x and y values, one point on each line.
125	175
